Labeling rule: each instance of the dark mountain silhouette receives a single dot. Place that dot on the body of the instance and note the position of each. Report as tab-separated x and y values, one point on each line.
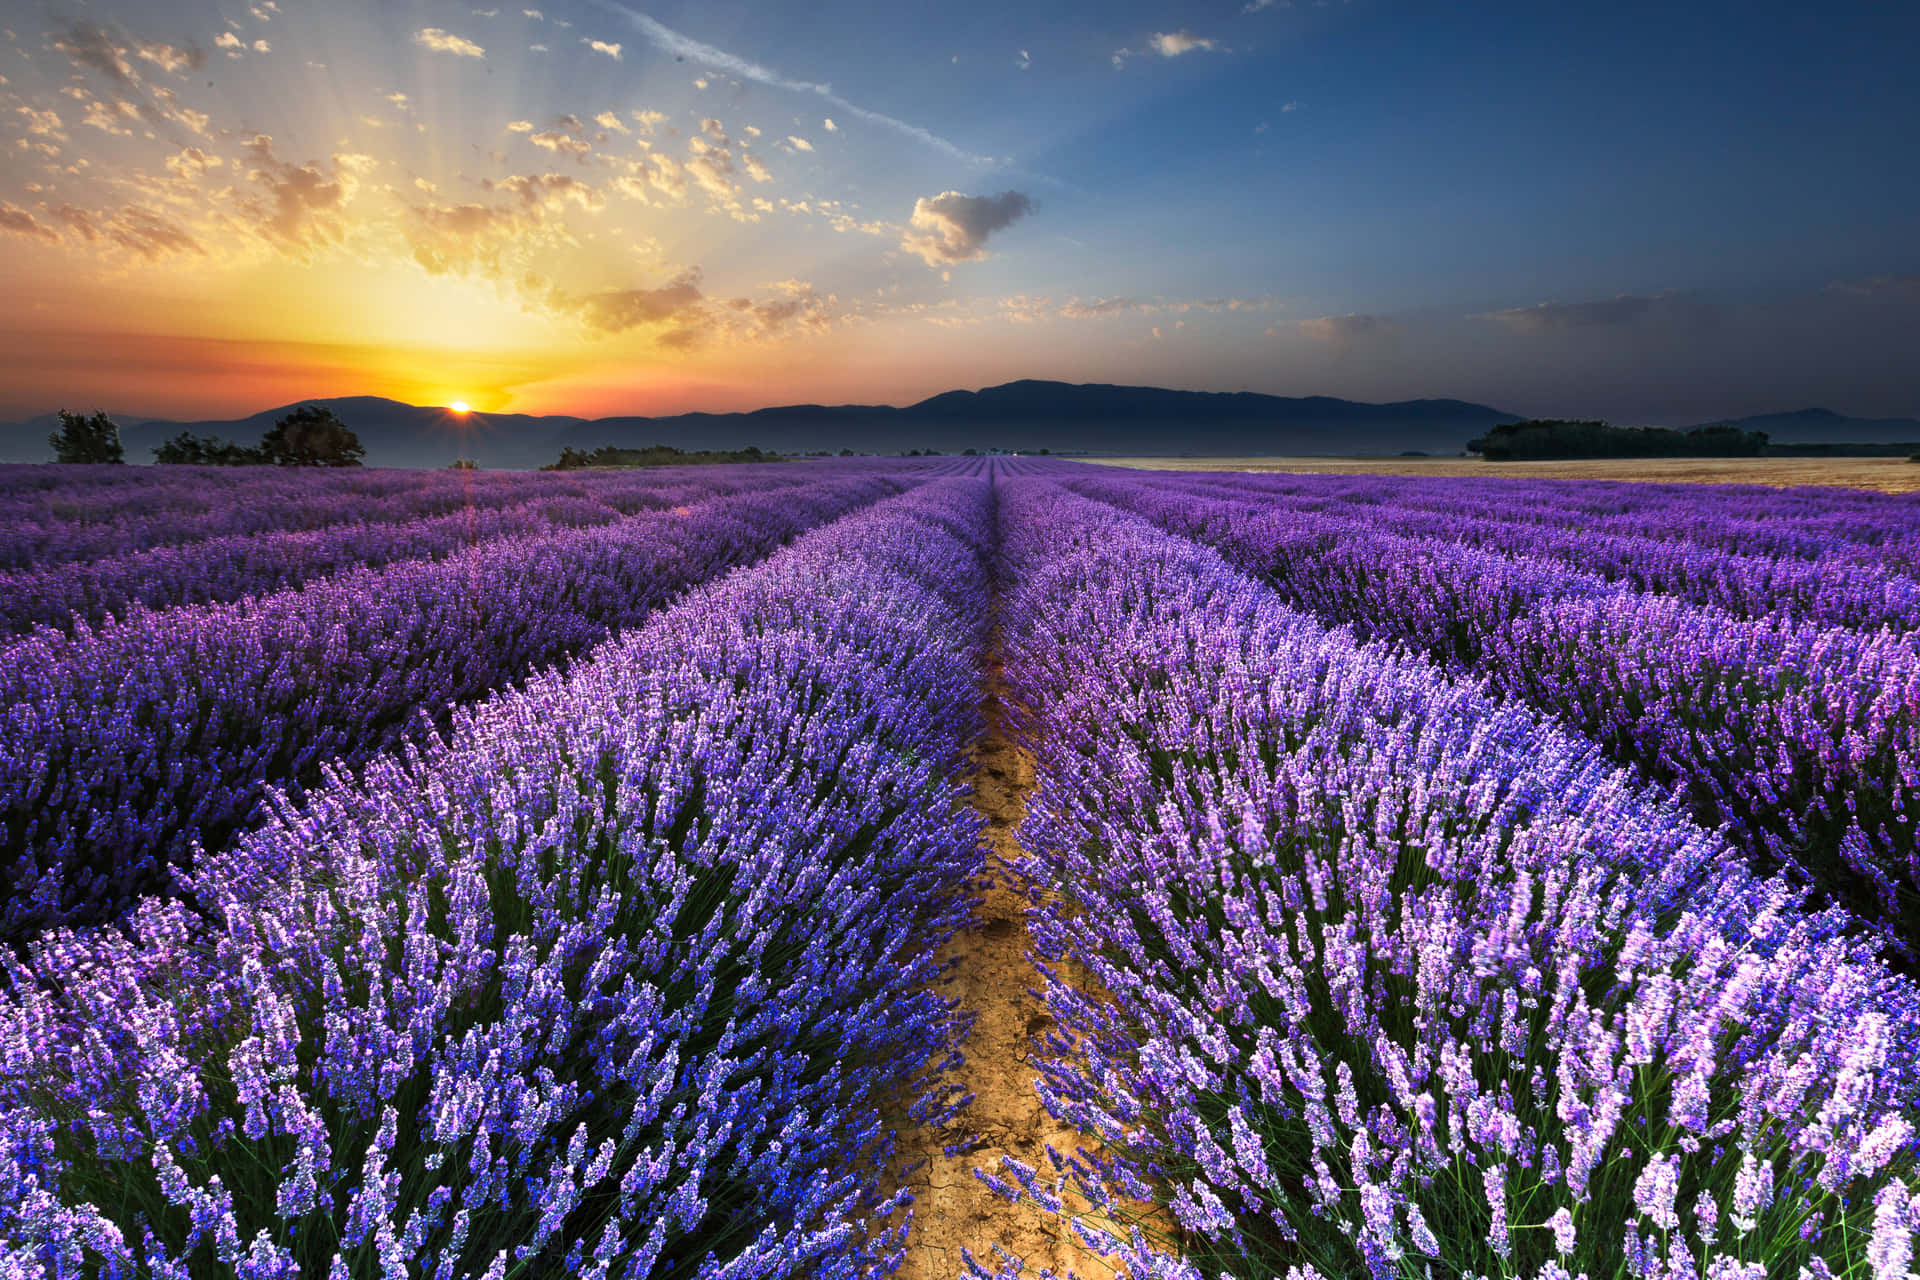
1027	415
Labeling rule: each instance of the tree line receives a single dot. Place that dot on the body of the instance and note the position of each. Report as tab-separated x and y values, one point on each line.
310	436
1542	438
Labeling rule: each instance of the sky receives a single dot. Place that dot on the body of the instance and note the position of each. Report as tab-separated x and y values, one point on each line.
1647	213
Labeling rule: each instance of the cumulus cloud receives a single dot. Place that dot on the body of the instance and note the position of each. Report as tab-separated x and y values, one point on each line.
21	223
601	46
649	120
561	143
799	144
617	310
304	203
45	124
445	42
830	125
611	120
192	162
111	117
954	227
546	192
449	238
1626	309
232	43
169	58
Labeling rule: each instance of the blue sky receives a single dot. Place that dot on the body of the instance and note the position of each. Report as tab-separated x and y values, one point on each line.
1639	212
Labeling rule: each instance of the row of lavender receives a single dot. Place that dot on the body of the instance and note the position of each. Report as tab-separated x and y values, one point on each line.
1804	523
129	509
1392	977
1853	584
123	748
627	974
361	534
1802	739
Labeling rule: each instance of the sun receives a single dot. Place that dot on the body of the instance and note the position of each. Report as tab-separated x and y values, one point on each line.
458	406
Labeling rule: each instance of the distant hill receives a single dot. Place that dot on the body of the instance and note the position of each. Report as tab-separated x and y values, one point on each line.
1024	415
1027	415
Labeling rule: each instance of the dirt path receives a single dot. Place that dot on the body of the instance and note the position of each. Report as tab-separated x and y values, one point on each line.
993	977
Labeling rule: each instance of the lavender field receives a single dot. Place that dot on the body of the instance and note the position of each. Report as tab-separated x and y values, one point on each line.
478	874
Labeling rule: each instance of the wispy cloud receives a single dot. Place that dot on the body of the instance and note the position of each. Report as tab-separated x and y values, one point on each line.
445	42
1899	288
601	46
1626	309
670	41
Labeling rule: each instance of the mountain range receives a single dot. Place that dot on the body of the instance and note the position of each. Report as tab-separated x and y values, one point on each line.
1029	415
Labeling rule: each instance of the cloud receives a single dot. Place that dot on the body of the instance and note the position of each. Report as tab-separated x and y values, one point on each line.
230	42
649	120
192	162
799	144
304	203
1896	288
172	59
22	223
1344	331
261	46
831	127
1291	106
547	192
617	310
1024	61
111	117
755	168
1171	44
601	46
1255	6
448	238
611	120
556	141
44	124
535	14
443	42
1626	309
91	46
149	234
956	226
670	41
1167	44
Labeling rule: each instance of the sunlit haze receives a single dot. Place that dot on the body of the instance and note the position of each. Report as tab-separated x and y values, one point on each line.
1643	212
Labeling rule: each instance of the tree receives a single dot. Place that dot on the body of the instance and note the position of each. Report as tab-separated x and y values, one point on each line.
205	451
311	436
94	439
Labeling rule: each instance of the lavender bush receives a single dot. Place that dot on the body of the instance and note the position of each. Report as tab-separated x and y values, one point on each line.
121	748
1390	977
1804	741
614	980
